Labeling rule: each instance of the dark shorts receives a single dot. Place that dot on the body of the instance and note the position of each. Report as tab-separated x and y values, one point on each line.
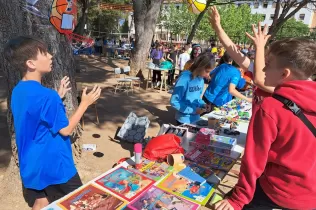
55	192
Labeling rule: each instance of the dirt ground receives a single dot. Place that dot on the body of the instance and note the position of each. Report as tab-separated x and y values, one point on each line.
112	111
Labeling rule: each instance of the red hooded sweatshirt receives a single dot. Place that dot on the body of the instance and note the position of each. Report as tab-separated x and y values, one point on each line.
281	150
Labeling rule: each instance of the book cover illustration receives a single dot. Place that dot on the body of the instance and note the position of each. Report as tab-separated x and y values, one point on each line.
155	199
92	198
193	152
191	175
183	187
153	170
125	183
213	160
211	176
223	141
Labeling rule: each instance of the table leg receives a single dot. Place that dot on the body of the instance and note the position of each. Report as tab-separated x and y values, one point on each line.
149	78
162	81
166	77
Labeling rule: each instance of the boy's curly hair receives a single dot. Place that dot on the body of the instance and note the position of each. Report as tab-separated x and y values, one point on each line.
297	54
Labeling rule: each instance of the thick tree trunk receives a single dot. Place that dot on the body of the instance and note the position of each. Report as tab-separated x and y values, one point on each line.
14	22
83	18
145	16
197	22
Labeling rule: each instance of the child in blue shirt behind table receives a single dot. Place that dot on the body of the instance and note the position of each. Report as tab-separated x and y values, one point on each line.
226	79
41	125
186	97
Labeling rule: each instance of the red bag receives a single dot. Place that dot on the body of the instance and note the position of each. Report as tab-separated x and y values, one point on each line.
161	146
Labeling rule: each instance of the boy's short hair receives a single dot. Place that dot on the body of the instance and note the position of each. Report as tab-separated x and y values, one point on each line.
297	54
186	47
22	48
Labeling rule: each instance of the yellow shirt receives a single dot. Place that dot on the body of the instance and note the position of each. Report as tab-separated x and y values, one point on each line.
221	52
214	50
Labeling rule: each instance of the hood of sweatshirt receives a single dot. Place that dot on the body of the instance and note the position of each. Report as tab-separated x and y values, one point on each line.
301	92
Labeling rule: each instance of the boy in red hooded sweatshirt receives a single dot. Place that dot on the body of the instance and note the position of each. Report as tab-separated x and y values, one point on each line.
279	165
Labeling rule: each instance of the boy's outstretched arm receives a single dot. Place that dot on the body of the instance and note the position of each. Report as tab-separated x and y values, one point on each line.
262	132
260	39
242	60
86	100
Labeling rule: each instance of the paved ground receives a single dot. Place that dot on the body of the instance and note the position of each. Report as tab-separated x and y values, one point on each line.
112	110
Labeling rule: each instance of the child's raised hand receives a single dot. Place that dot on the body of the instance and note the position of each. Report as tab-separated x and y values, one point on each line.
64	87
260	37
91	97
214	17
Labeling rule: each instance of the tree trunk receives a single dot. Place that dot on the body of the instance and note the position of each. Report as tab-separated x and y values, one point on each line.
197	22
145	16
278	21
84	17
15	23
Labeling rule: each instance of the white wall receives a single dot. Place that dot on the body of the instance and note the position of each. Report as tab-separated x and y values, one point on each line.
270	11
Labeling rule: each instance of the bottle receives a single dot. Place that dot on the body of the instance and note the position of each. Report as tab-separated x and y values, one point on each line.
138	155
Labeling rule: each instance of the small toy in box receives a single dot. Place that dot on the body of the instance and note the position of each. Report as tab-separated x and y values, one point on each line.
204	136
223	142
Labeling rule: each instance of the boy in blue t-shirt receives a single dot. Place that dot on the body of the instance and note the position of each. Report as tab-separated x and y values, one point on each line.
41	126
226	79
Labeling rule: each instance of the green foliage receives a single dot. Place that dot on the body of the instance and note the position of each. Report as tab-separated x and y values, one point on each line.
177	20
235	20
238	20
293	28
125	28
104	20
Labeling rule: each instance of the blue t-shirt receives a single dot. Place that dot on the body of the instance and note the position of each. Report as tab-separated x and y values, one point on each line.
45	156
186	97
217	91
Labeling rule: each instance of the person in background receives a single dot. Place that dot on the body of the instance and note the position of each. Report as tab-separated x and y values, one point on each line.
172	56
184	57
186	97
279	164
221	51
157	57
261	90
189	47
214	50
196	51
225	80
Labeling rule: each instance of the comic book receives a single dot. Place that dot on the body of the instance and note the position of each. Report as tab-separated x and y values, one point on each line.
184	188
125	183
153	170
93	198
213	160
156	199
211	176
191	175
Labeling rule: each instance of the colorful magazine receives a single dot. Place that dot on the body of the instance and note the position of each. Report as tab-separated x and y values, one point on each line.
191	175
213	160
153	170
156	199
125	183
93	198
209	159
182	187
211	176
